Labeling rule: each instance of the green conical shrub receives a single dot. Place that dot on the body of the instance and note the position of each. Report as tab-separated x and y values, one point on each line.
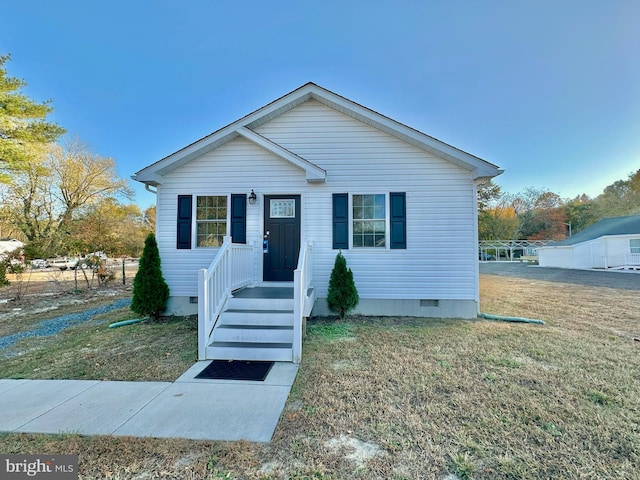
150	291
343	294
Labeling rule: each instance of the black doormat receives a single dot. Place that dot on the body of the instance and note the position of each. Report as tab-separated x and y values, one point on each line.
236	370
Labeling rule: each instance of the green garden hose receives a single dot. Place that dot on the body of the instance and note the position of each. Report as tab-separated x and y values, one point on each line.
510	319
126	322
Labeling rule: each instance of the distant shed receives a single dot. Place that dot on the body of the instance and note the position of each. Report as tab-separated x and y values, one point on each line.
610	243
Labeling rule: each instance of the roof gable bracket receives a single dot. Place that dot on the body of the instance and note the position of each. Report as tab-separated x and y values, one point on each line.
314	173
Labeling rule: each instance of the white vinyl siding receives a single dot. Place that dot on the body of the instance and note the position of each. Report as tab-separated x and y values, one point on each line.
236	167
608	251
358	159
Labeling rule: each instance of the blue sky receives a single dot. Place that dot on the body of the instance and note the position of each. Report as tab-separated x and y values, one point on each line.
548	90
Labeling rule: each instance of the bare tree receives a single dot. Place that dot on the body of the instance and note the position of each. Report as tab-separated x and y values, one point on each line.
55	188
83	178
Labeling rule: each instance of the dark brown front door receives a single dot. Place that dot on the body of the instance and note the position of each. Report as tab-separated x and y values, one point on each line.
282	237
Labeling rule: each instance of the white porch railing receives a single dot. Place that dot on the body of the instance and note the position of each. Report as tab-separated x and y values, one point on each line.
632	259
231	269
623	260
303	296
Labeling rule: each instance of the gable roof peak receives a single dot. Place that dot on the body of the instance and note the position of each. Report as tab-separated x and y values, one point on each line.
152	175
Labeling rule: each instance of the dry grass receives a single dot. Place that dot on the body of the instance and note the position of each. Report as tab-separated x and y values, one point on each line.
410	398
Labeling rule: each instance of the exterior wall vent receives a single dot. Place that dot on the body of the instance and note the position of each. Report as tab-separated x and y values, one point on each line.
193	299
429	303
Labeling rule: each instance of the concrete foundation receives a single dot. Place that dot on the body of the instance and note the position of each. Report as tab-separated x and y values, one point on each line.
406	308
367	306
181	306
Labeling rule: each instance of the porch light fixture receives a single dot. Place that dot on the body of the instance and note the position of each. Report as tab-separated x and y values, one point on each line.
252	197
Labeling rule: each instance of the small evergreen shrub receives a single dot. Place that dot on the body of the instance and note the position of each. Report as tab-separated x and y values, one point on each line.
343	294
4	266
150	291
10	263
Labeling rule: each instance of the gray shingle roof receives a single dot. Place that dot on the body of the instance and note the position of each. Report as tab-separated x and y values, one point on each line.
607	226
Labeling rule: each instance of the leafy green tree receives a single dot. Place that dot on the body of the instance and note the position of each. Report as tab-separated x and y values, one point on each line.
22	123
580	212
620	198
488	194
343	295
111	227
150	291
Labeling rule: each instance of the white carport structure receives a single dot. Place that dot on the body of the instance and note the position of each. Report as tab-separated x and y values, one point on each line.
610	243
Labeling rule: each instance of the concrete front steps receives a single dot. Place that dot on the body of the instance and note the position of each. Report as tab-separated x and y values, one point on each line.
257	324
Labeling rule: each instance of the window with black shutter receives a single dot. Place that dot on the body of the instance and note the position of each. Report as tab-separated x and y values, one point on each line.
184	222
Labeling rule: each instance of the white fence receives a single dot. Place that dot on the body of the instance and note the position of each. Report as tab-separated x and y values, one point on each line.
623	260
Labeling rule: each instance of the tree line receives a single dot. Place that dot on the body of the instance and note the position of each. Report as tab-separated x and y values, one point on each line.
537	214
59	197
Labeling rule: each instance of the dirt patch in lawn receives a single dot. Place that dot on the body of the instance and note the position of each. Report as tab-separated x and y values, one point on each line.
36	295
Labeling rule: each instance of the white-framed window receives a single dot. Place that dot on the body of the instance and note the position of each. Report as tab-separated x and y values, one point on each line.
211	220
369	220
634	245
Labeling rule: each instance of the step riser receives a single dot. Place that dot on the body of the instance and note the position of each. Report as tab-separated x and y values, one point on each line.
268	354
255	318
252	335
260	304
233	343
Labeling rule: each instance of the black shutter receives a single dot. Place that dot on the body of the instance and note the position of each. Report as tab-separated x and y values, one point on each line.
340	221
239	218
184	222
398	213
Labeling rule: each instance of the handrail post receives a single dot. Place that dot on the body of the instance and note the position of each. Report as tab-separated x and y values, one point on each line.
203	311
297	316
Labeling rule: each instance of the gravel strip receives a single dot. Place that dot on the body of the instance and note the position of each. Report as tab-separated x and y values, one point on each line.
53	326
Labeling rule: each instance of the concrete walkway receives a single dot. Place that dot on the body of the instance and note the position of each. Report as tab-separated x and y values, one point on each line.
188	408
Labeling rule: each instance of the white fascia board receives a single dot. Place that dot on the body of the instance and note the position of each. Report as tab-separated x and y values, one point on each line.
154	172
314	173
224	135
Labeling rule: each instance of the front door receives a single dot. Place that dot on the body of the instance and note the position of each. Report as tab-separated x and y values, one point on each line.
282	237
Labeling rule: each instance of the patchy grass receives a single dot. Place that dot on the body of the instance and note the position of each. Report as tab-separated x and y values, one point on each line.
146	351
410	398
159	351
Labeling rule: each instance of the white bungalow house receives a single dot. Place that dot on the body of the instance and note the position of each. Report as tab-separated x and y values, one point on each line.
250	219
610	243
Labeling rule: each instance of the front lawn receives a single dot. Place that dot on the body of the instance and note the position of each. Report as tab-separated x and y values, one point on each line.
405	398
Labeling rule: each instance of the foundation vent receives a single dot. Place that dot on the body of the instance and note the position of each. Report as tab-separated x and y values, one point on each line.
429	303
